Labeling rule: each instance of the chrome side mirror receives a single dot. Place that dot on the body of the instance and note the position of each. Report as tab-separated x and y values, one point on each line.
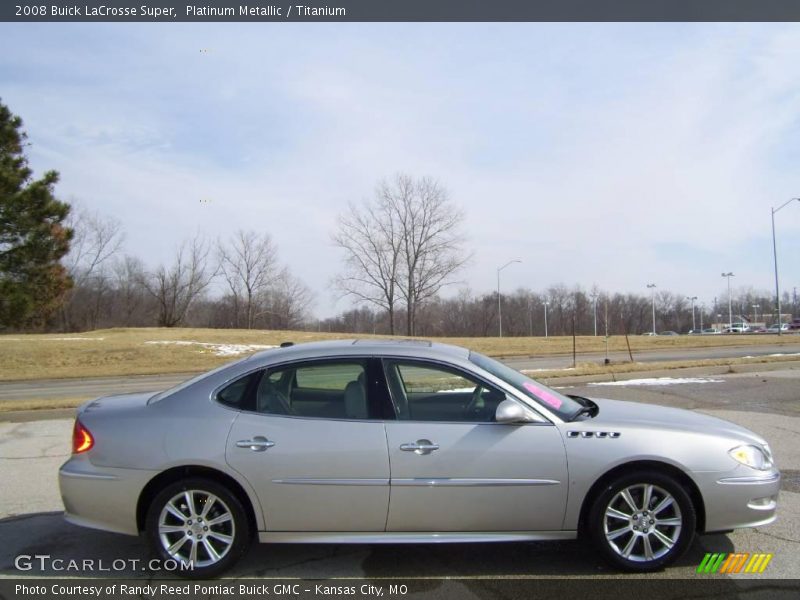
509	411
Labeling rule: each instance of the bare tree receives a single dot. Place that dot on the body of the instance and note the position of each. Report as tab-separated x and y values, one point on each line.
249	265
432	241
176	287
372	240
95	241
130	291
406	245
288	302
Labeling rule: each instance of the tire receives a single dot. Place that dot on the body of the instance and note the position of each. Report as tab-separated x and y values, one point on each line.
215	531
639	538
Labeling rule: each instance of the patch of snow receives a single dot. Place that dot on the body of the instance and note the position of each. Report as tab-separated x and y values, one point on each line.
660	381
217	349
789	354
551	369
52	339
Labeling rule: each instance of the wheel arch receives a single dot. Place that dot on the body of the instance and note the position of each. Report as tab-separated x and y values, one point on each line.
174	474
652	465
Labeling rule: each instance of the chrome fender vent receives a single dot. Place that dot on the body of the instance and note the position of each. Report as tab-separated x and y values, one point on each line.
594	434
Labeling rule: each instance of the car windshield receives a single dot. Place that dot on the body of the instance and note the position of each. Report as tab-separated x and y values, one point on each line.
562	405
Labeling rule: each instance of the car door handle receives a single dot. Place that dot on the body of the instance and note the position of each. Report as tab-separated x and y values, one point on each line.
419	447
257	444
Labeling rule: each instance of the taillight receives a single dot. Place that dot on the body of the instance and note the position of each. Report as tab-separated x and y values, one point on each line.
82	439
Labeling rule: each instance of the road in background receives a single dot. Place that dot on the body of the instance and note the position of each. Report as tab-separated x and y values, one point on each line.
100	386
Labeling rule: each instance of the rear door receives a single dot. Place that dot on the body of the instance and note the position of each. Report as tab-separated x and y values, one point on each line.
314	448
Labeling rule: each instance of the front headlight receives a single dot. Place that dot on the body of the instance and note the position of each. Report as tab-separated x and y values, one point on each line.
752	456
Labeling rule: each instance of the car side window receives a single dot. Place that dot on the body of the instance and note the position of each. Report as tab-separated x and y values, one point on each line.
427	392
325	389
238	393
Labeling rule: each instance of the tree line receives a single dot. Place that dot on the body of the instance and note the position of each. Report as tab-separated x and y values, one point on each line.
467	314
63	268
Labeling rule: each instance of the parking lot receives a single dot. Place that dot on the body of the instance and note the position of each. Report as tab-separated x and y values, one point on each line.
766	402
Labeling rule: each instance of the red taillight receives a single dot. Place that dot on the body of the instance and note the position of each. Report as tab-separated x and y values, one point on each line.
82	439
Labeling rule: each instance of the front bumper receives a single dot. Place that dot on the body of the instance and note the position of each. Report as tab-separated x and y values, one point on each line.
741	499
101	497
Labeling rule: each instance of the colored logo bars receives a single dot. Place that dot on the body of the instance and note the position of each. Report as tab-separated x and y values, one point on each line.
738	562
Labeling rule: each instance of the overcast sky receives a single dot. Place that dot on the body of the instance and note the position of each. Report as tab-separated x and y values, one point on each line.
598	154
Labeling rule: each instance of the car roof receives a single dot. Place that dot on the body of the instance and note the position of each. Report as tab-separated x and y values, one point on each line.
361	347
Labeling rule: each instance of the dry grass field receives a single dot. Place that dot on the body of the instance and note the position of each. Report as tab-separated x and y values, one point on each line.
144	351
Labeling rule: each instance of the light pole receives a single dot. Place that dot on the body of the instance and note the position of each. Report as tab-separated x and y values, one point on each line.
730	306
692	298
594	298
652	286
702	309
546	304
530	316
755	312
499	303
775	256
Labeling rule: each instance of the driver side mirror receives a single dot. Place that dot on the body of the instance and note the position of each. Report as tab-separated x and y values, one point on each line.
509	411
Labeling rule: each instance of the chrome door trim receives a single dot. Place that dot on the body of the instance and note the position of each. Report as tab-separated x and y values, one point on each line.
470	482
411	537
330	481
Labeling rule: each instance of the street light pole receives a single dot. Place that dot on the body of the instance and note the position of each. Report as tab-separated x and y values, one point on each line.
755	312
546	304
652	286
692	298
499	303
730	305
594	298
775	257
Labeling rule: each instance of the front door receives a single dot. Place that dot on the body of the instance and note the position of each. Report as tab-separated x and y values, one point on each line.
455	469
311	450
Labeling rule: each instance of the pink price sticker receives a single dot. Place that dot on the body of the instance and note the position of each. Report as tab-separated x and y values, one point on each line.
543	395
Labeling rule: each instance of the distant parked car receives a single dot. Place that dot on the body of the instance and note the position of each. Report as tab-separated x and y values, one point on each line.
669	333
648	333
775	328
794	325
694	332
737	328
710	331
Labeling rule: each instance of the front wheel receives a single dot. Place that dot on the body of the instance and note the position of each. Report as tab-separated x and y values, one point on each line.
200	524
642	521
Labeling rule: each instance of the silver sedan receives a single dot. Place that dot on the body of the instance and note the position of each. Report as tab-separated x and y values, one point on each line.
405	442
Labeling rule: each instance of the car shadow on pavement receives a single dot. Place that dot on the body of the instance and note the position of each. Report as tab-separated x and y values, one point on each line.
103	554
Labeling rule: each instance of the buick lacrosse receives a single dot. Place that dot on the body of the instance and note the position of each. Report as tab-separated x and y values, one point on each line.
379	441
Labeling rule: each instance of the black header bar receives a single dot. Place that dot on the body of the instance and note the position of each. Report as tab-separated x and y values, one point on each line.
400	10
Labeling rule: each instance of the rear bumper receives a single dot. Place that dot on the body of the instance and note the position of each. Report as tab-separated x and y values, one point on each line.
101	497
741	500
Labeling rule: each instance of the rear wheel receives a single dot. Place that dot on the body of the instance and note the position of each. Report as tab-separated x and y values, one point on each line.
642	521
198	522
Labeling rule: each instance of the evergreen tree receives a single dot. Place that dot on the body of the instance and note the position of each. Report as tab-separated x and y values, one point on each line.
33	237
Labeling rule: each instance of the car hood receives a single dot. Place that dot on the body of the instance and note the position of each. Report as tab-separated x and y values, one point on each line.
651	415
